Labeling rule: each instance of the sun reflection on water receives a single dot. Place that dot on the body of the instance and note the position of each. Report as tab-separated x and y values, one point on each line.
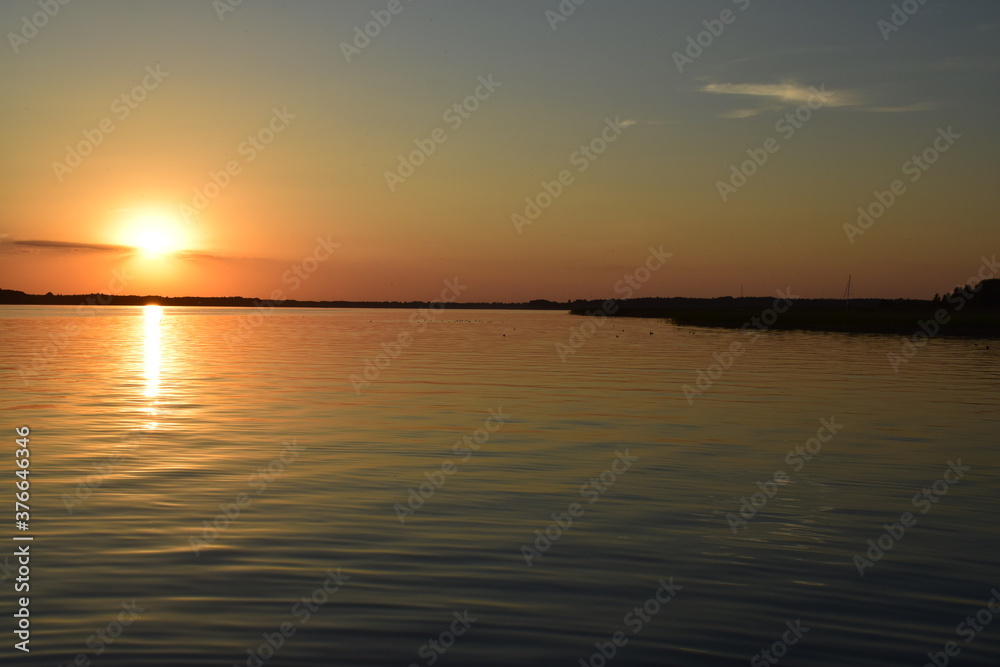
153	355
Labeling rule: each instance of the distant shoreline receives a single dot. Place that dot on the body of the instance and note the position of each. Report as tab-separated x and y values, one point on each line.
978	317
17	298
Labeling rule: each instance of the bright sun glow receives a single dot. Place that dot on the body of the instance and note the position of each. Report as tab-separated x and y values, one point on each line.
154	234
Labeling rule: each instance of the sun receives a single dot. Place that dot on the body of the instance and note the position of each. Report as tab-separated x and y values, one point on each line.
154	233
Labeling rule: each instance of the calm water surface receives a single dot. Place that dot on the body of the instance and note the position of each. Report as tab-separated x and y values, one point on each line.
144	422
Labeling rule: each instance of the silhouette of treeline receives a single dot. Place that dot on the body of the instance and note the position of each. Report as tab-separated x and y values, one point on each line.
968	313
15	297
961	312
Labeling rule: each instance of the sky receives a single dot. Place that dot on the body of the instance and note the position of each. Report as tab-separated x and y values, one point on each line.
200	147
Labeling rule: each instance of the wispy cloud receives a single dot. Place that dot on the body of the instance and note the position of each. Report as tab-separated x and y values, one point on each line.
70	245
631	122
39	245
193	255
787	93
778	96
745	113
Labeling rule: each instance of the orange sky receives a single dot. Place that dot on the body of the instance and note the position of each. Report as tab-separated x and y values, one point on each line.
162	97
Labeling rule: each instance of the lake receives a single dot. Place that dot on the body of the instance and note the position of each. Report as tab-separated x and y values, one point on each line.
379	487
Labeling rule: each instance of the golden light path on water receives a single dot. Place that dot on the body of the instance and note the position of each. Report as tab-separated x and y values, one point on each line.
172	510
153	357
